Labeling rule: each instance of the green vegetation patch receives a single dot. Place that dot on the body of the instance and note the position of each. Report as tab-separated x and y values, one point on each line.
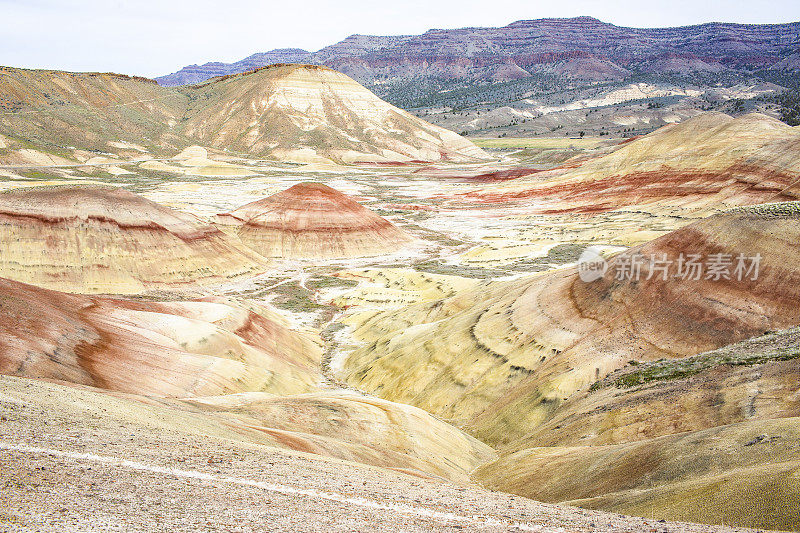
774	210
38	175
293	297
559	255
326	282
434	266
538	143
683	368
788	101
428	234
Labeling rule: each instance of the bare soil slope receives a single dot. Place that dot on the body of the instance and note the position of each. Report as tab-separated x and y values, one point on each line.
312	220
312	113
95	239
502	357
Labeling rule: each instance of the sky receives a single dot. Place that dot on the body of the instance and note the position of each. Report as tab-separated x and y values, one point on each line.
152	38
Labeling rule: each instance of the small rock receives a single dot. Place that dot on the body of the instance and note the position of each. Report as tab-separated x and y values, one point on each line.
760	438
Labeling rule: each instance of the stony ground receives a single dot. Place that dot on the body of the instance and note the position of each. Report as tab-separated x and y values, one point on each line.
74	459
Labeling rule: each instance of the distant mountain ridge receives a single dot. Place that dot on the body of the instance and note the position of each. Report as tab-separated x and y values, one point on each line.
192	74
580	48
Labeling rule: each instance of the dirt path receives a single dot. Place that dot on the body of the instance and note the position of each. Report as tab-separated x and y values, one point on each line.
69	459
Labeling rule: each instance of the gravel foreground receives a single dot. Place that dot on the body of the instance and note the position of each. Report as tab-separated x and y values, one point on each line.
73	459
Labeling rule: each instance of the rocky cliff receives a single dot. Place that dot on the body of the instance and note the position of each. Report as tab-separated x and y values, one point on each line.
579	48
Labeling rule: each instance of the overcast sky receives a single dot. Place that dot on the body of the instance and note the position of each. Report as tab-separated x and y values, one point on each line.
152	38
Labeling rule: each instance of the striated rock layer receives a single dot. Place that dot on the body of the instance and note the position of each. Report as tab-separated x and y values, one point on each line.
301	113
200	73
712	160
694	438
615	394
312	220
743	473
234	366
502	357
166	349
312	113
358	428
580	48
107	240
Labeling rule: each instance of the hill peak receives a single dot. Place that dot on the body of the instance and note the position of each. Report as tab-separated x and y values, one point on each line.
275	69
311	220
311	113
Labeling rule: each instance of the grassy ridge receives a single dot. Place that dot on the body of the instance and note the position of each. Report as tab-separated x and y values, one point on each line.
780	346
542	143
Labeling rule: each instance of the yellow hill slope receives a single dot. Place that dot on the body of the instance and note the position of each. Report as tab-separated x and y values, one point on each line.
501	358
311	113
95	239
300	113
712	161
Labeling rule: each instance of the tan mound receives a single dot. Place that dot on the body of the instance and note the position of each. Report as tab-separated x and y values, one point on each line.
172	349
312	220
743	474
704	438
503	357
711	160
97	111
356	428
195	160
300	113
309	113
239	366
108	240
755	379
